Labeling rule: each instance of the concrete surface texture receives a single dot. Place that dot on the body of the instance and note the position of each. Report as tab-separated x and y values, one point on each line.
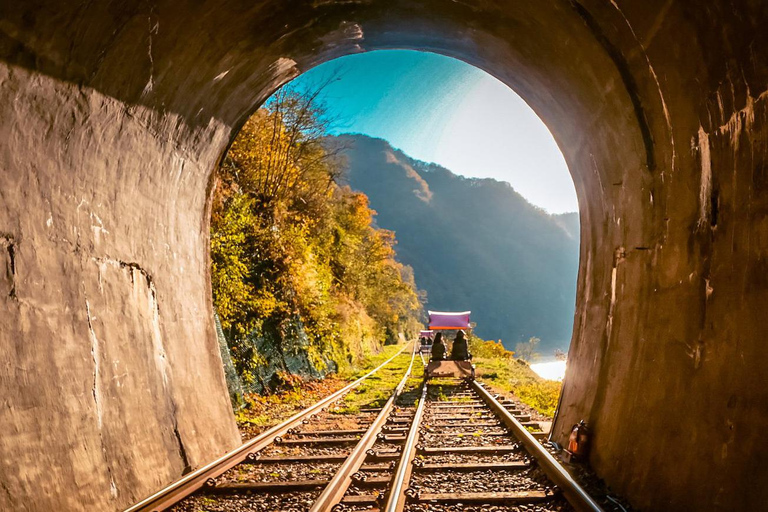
113	115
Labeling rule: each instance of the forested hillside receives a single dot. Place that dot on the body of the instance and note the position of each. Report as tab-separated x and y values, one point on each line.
474	244
302	280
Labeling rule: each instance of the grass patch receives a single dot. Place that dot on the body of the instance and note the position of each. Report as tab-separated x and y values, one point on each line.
376	390
264	411
371	361
497	367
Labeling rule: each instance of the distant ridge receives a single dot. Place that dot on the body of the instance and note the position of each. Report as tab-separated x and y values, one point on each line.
474	244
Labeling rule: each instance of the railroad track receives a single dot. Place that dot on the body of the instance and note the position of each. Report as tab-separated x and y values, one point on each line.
431	446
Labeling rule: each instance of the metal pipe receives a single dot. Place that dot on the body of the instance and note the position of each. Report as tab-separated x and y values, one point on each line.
574	493
183	487
396	500
337	487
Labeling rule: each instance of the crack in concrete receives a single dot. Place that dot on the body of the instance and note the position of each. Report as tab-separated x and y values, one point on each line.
131	266
9	242
182	450
97	394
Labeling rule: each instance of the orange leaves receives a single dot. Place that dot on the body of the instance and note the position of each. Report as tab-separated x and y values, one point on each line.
289	247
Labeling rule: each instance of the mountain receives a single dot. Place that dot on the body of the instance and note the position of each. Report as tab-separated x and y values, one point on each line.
474	244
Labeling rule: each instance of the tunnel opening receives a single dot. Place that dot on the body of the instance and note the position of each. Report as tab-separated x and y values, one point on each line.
356	124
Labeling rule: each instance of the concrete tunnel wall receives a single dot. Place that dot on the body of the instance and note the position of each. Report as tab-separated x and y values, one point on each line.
113	115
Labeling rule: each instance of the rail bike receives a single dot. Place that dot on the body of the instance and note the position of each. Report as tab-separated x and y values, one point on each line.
446	321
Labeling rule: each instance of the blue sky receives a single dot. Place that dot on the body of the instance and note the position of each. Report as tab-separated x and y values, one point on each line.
442	110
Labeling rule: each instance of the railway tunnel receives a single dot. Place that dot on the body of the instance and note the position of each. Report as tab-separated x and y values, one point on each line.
114	115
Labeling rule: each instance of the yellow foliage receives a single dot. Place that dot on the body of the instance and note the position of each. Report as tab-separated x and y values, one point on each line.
289	247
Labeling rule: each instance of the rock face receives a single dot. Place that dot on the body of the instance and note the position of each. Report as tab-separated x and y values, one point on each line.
113	115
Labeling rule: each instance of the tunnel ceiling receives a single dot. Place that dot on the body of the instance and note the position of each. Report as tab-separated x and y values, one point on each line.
113	115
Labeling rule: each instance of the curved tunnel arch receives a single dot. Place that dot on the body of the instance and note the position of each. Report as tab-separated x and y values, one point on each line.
114	117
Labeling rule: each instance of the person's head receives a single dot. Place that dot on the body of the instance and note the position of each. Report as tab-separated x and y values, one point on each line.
439	337
460	336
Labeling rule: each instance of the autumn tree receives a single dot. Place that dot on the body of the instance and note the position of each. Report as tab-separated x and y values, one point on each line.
527	350
290	247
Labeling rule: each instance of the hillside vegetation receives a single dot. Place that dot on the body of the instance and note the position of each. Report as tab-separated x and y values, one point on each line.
303	282
499	368
474	244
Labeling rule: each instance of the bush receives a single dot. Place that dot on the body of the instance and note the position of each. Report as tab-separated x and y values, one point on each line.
488	349
542	395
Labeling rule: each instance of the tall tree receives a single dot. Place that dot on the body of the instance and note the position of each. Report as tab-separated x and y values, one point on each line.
293	253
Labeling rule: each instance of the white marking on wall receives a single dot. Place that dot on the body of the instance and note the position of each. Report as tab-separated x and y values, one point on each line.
284	65
705	187
157	338
221	75
96	356
153	29
609	323
741	120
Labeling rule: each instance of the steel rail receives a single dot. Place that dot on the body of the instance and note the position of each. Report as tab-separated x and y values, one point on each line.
187	485
574	493
397	496
337	487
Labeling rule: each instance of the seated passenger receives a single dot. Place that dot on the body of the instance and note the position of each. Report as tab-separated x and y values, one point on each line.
460	350
438	348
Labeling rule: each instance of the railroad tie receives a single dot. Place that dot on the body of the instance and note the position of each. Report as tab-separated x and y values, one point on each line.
517	465
432	450
506	498
238	487
319	433
320	440
255	459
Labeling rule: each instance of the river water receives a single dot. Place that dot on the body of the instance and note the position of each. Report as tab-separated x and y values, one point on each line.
552	370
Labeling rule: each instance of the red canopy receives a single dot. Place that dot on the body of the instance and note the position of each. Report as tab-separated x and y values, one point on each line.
426	334
448	320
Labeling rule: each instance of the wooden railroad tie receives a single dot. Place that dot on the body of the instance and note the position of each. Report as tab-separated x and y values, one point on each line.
470	435
430	450
510	466
457	417
465	424
320	440
291	460
238	487
361	499
522	418
457	402
506	498
458	405
329	432
279	487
